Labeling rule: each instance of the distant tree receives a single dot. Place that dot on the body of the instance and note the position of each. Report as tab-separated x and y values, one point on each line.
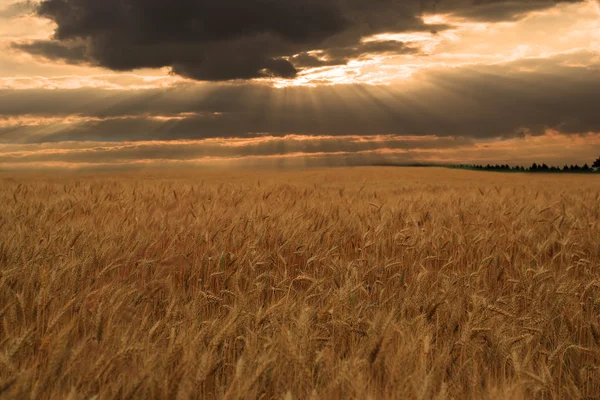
534	167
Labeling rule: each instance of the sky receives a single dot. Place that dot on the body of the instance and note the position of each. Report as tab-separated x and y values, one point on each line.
90	84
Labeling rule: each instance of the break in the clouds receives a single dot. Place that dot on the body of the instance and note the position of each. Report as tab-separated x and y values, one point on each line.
241	39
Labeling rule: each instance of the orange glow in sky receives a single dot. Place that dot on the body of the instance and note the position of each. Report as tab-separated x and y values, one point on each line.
531	61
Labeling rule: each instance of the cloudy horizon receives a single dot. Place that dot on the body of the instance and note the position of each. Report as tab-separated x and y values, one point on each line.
88	84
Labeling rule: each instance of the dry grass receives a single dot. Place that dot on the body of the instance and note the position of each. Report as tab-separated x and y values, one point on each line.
347	283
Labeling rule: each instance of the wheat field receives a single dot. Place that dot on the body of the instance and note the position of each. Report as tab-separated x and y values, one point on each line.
399	283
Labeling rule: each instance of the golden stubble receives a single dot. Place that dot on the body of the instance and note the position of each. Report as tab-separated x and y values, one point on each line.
343	283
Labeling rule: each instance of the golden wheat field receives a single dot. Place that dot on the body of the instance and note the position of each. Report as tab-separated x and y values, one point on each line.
399	283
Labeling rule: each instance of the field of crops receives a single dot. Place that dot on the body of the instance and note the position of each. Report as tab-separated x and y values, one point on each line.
363	283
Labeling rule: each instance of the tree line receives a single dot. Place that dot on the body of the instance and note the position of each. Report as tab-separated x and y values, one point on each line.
594	168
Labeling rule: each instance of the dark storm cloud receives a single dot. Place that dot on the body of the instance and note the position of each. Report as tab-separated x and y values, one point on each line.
239	39
203	40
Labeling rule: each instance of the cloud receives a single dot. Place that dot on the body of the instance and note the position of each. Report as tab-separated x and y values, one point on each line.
17	9
266	146
72	53
302	151
342	55
527	96
494	10
241	39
